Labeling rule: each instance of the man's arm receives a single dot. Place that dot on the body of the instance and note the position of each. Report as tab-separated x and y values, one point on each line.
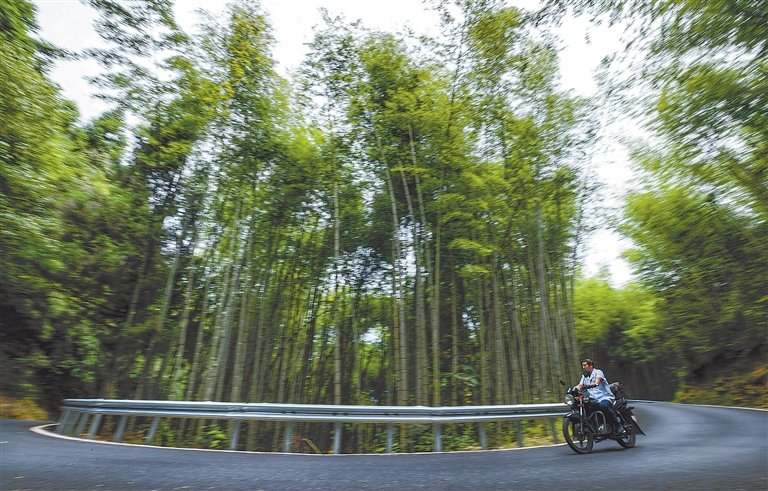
598	380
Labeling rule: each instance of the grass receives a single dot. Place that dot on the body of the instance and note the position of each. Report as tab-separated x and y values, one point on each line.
749	390
25	408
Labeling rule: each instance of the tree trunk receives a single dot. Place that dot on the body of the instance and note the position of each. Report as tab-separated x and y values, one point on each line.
337	375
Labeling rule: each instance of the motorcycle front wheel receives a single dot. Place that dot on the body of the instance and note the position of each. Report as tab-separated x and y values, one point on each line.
580	441
628	440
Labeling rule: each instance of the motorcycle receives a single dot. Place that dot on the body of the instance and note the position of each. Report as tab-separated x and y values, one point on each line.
585	424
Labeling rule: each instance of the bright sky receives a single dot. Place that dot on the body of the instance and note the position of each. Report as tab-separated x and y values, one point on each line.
68	23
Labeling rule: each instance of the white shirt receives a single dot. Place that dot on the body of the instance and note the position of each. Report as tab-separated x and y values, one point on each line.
601	392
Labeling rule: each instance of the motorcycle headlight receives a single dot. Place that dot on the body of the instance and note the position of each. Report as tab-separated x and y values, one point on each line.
570	400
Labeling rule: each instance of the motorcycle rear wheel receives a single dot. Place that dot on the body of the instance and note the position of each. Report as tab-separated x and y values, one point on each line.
580	442
628	440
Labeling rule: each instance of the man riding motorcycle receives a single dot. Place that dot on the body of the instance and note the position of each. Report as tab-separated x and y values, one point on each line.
594	380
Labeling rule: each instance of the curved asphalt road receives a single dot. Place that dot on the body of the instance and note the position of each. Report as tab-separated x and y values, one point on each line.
687	447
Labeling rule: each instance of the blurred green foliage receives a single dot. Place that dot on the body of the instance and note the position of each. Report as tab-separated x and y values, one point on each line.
53	202
698	215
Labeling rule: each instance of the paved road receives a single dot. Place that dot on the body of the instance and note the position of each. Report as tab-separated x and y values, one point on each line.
687	447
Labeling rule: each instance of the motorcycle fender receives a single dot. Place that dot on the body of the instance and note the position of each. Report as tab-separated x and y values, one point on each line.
637	426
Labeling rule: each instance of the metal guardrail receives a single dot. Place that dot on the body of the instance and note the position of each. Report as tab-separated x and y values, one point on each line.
77	414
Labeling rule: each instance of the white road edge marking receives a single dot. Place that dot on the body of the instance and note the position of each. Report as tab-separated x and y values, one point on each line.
41	430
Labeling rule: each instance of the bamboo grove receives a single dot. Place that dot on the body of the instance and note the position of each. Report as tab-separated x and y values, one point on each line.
396	226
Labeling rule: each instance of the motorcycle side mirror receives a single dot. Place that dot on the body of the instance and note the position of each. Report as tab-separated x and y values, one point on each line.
563	383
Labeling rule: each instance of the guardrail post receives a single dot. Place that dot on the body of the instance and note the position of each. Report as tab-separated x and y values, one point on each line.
152	430
95	426
437	437
390	436
337	437
80	428
288	435
69	429
121	428
483	437
552	427
61	428
234	435
519	433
